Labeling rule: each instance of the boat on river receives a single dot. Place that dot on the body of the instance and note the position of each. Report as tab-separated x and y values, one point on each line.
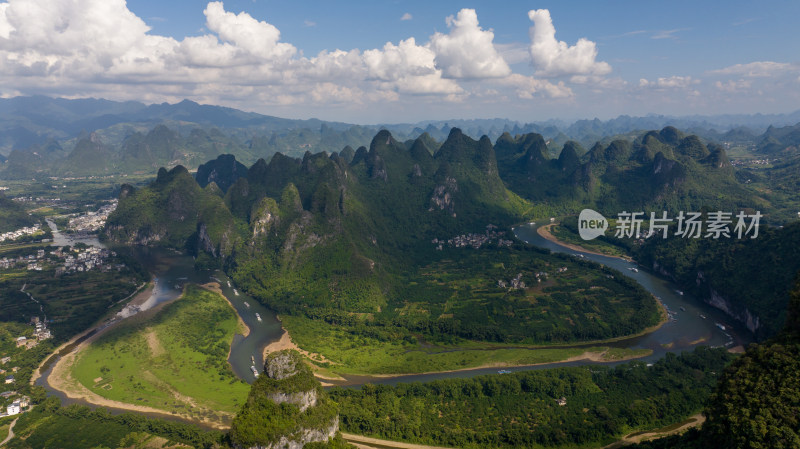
258	316
229	284
255	371
235	292
247	304
504	371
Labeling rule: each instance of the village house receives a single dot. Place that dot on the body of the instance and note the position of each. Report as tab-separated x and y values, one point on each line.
5	360
9	379
13	408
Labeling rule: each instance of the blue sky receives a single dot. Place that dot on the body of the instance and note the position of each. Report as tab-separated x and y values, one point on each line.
392	61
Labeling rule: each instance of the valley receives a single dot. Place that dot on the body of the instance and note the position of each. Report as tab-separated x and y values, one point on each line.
406	271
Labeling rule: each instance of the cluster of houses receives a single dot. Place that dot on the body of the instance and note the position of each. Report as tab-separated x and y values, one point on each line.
17	406
85	260
742	162
92	221
474	240
9	378
13	235
40	333
515	284
32	262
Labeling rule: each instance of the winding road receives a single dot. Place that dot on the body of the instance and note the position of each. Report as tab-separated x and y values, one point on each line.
10	433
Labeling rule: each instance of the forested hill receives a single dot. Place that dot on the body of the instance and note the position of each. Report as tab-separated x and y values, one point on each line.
661	170
13	215
357	213
359	236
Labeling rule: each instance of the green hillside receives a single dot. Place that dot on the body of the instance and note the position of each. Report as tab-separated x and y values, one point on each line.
14	215
662	170
174	211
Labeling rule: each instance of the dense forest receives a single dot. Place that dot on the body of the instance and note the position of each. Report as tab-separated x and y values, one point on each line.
756	403
522	409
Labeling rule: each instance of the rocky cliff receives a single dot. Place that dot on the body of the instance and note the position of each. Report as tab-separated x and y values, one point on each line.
286	409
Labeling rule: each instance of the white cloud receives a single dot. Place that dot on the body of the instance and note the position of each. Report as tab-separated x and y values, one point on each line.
409	68
527	86
553	58
406	16
309	23
258	38
732	86
81	48
467	51
672	82
758	69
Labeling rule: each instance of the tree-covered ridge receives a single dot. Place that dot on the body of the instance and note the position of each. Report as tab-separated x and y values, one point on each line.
174	211
14	215
522	409
661	170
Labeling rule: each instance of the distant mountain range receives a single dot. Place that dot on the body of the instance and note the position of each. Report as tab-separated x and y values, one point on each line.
89	136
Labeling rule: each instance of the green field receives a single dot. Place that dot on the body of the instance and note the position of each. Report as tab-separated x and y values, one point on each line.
175	362
348	354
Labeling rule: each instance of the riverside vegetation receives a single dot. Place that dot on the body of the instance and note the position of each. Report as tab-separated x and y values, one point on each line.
176	361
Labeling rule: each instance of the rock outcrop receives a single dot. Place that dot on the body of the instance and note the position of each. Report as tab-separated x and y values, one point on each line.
287	408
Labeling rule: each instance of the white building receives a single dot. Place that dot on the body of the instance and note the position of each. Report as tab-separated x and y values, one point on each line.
13	408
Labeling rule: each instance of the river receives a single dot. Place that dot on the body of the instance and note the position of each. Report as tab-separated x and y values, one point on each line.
692	322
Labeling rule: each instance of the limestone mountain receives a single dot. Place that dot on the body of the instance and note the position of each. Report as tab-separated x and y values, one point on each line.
173	211
89	157
223	171
661	170
286	409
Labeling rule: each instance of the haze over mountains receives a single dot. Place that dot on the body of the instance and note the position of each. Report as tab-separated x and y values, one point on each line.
59	136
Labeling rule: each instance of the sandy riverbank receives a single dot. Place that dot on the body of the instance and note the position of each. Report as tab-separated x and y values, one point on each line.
544	231
61	378
144	293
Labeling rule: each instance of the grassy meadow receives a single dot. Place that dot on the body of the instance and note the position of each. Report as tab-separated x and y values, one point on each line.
349	354
176	361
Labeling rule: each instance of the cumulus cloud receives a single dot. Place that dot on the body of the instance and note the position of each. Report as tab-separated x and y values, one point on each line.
406	16
257	38
553	58
409	68
467	51
79	48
